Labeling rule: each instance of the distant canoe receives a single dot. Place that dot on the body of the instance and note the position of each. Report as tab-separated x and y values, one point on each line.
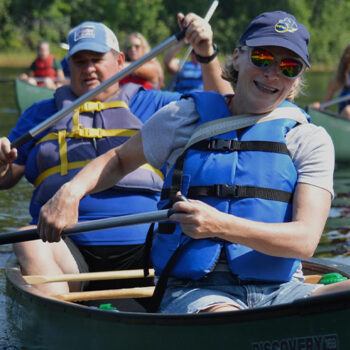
27	94
337	127
319	322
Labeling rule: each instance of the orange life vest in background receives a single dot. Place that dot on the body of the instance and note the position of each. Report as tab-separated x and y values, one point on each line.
44	68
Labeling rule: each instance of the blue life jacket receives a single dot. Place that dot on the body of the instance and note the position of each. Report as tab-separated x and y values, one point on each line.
78	138
247	173
190	78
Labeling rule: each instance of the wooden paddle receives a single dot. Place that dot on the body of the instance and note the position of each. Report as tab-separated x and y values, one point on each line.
89	276
91	94
138	292
118	221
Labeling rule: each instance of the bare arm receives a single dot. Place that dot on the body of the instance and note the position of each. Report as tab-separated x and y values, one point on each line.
298	238
332	88
200	36
10	173
103	172
151	71
170	61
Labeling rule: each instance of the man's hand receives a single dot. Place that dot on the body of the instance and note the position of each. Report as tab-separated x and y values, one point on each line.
7	155
60	212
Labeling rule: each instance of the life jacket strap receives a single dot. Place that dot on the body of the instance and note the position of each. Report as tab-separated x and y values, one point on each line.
81	164
63	152
97	106
220	145
234	191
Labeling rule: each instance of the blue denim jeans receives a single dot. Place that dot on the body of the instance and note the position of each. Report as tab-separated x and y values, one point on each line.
188	296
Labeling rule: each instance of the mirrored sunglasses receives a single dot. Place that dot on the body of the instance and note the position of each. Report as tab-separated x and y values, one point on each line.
290	67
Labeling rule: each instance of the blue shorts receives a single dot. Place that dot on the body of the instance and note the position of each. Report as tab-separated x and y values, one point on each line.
188	296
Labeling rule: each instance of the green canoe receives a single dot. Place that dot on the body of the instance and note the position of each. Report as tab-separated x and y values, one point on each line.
27	94
337	127
47	323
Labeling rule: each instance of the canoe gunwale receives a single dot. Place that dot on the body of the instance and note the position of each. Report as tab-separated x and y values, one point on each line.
313	305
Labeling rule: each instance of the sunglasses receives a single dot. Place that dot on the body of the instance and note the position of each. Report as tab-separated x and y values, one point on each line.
290	67
136	46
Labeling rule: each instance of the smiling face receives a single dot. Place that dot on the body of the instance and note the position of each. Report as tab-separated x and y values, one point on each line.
260	90
89	69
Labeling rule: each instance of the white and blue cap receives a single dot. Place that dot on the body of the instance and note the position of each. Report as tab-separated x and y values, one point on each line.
91	36
278	28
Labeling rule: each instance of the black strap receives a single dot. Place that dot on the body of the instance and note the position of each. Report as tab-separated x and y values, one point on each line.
147	250
159	290
235	191
177	176
220	145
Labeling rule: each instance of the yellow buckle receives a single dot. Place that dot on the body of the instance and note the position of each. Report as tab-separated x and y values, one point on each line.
91	133
91	106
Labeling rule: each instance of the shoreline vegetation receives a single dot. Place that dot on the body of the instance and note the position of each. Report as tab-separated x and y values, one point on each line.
23	59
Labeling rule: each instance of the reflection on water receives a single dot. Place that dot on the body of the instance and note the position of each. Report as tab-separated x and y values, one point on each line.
14	203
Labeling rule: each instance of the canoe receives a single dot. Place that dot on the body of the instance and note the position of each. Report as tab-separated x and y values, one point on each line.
27	94
337	127
48	323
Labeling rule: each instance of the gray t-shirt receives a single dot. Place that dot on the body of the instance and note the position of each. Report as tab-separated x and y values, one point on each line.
165	135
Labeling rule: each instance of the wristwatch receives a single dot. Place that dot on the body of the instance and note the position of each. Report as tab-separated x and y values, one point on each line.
207	59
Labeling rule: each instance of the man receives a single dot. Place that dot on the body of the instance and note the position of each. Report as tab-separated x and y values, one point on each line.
55	156
46	70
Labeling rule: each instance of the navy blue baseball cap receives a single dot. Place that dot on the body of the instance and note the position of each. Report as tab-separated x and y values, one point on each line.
278	28
91	36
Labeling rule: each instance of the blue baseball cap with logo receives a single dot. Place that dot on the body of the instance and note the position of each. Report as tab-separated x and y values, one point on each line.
278	28
91	36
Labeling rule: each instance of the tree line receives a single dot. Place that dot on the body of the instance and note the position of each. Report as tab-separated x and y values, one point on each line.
24	22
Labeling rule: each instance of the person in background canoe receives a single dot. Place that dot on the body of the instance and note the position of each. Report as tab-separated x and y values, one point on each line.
65	66
149	75
56	155
190	77
46	70
257	174
340	81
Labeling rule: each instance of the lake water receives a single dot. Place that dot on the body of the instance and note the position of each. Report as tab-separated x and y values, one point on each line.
14	203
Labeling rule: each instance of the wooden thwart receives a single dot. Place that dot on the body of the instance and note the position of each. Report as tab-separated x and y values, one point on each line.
138	292
90	276
313	279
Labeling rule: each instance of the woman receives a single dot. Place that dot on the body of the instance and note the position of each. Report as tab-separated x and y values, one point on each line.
150	74
254	181
340	81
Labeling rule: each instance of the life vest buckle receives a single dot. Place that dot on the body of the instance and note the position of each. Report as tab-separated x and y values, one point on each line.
225	191
222	145
91	106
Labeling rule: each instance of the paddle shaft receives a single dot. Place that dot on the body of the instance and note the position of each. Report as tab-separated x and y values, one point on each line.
138	292
333	102
207	18
91	94
88	276
119	221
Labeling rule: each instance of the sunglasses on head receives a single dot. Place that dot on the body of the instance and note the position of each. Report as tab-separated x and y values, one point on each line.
262	58
136	46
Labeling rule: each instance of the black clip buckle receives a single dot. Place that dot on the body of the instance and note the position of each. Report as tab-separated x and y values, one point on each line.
224	191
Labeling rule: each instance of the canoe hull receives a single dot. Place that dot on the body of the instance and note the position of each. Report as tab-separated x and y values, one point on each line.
314	323
338	128
27	94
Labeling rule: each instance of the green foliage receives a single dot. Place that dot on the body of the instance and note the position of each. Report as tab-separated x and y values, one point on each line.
24	22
